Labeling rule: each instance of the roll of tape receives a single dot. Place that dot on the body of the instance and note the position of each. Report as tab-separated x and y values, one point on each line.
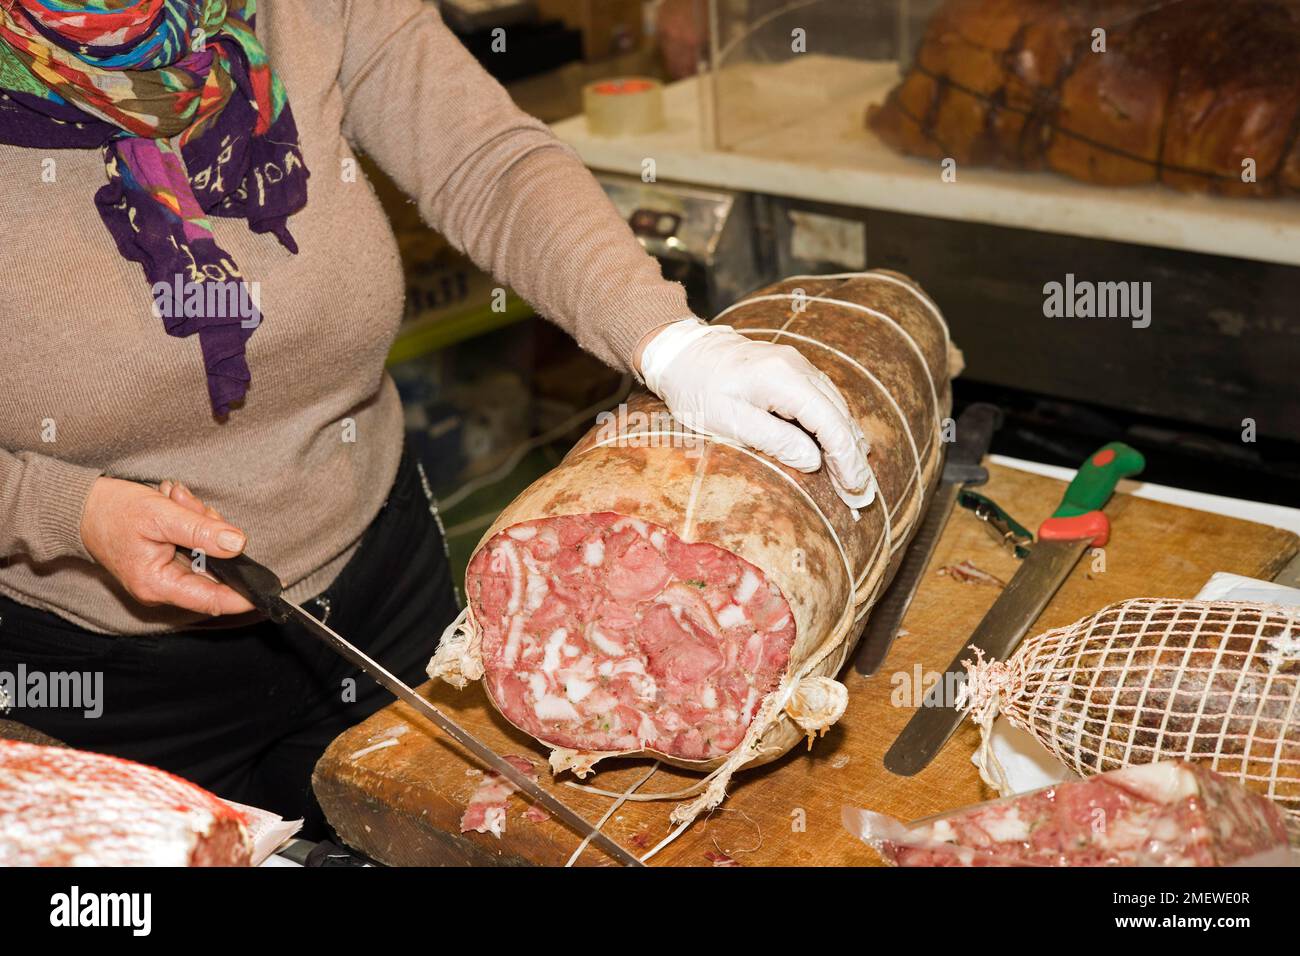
624	107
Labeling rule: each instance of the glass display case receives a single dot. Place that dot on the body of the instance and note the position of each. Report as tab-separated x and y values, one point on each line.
1036	104
774	65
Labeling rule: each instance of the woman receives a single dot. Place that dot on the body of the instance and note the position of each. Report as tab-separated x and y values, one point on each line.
143	416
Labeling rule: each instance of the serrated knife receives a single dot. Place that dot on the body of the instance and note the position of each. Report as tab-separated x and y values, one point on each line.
1077	524
261	586
961	467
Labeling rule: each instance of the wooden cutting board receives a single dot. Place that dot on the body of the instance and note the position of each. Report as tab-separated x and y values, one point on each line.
401	802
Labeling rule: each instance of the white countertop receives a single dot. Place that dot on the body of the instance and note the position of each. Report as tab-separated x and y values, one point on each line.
826	153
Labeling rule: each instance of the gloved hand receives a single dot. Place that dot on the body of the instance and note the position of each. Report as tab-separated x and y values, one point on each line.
718	382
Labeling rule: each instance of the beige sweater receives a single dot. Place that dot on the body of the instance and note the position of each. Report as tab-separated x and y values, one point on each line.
92	385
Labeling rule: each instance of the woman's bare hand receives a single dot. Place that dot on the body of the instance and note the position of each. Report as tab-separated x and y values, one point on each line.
683	31
137	532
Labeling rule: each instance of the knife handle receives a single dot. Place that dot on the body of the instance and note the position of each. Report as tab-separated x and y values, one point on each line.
254	581
1079	514
975	428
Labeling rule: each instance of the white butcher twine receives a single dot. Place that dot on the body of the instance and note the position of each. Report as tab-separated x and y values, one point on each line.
715	783
911	341
621	799
766	463
790	296
915	480
892	280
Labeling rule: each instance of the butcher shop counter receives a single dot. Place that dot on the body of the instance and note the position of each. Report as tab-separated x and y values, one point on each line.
395	789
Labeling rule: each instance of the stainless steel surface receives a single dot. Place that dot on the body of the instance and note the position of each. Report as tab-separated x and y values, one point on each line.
402	692
1017	541
885	617
997	635
707	239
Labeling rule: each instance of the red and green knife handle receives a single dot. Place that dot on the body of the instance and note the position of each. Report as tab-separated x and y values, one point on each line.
1079	514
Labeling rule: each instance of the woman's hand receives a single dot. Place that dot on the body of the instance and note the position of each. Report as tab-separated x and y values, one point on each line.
683	30
717	381
136	533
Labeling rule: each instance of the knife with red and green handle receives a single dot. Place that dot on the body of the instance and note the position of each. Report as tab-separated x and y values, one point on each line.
1076	525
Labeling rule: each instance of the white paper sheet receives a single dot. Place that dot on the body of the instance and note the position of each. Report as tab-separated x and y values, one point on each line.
268	830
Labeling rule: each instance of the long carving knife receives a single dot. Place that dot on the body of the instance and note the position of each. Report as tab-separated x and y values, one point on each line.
260	585
975	428
1076	525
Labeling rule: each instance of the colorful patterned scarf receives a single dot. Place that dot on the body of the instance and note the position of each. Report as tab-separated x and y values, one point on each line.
131	76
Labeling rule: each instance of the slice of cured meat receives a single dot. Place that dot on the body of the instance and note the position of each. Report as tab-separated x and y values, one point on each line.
607	634
486	811
62	807
1161	814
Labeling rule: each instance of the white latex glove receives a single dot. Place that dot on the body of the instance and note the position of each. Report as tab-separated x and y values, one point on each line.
718	382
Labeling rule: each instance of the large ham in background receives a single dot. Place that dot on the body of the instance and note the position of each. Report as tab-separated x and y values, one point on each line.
664	593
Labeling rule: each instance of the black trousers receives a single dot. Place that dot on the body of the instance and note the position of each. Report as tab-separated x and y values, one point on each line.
247	711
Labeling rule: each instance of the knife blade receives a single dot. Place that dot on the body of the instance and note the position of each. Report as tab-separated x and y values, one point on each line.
1077	524
261	586
975	428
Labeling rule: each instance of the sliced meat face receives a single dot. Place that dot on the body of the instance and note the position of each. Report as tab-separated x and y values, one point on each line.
1160	814
604	633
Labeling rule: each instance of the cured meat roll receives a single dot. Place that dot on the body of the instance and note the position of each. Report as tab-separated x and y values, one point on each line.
665	593
1161	814
1197	94
1157	679
62	807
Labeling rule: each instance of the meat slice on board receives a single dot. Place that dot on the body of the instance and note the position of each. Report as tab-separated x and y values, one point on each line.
1161	814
